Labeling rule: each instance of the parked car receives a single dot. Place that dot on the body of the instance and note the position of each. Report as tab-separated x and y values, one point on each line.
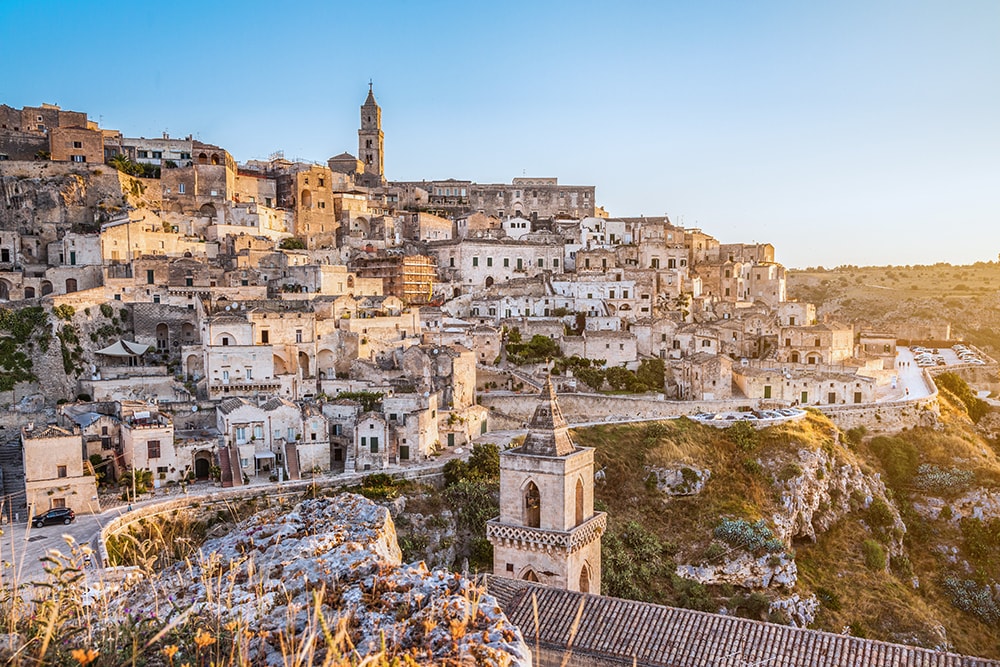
62	515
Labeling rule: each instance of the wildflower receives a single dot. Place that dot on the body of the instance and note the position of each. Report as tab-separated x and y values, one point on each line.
202	639
84	657
170	652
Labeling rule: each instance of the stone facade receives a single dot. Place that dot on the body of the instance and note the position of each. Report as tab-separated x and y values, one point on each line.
547	530
54	470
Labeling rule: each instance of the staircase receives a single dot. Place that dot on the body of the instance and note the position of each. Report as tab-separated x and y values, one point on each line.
292	461
14	500
225	467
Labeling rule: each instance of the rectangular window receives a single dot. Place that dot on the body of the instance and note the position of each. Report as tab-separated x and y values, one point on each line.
189	282
152	449
58	502
489	261
150	277
857	397
298	335
767	391
404	452
79	158
555	263
475	261
374	444
506	263
157	155
61	471
805	397
180	188
258	432
265	336
77	144
831	397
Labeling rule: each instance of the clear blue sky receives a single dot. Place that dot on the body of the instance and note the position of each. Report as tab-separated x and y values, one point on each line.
847	132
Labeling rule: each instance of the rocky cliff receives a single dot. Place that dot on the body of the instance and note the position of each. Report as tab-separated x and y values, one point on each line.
327	577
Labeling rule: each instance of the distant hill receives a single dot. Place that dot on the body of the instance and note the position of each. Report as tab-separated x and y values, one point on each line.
885	297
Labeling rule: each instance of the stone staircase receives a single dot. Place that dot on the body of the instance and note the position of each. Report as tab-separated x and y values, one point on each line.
14	501
292	461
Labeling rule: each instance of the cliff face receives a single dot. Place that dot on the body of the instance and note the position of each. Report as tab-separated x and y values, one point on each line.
334	563
37	195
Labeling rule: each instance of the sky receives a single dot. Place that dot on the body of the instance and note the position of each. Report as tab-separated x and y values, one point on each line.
849	132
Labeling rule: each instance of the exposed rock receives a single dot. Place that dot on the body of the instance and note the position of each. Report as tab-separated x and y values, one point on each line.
820	491
680	480
800	612
30	403
340	553
745	570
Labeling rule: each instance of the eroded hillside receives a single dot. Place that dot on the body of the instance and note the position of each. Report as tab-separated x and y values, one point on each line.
894	538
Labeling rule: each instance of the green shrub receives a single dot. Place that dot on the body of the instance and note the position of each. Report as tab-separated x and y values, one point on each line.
975	406
874	554
752	537
828	598
743	435
899	459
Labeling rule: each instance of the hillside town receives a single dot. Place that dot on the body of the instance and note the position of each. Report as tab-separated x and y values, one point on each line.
276	319
172	317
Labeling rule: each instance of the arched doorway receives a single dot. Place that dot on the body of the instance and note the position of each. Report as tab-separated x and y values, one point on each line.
162	336
202	464
70	285
306	199
207	210
29	292
529	575
4	290
795	357
532	506
304	364
579	502
584	579
193	366
489	281
280	368
46	287
187	332
215	158
202	158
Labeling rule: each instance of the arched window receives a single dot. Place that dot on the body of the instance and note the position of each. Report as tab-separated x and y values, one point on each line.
530	575
584	579
532	506
579	502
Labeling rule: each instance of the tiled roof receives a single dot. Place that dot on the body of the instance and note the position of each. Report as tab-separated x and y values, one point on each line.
628	632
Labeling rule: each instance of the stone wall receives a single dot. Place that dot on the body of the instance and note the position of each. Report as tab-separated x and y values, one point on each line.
591	408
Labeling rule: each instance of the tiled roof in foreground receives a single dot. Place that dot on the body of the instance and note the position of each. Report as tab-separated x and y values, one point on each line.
616	631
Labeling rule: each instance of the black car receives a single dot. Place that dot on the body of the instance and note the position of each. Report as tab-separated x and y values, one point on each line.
62	515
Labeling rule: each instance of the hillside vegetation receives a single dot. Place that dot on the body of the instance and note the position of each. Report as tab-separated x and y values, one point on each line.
884	297
904	562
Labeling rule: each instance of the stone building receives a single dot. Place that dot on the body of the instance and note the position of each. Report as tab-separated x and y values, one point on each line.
472	264
803	386
704	377
409	277
54	471
548	530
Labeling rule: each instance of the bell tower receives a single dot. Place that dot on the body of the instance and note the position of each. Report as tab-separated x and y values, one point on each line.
370	140
547	530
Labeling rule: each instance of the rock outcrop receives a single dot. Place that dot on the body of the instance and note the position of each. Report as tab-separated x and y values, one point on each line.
334	559
819	489
746	570
680	479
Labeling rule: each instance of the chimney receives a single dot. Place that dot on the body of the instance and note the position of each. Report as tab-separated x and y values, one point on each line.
30	427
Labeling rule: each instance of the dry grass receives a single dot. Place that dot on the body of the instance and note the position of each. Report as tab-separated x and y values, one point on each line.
881	605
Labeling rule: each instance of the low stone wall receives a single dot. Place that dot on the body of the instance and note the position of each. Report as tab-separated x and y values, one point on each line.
580	408
431	473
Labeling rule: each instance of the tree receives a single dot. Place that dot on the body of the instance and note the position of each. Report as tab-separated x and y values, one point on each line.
143	482
292	243
651	374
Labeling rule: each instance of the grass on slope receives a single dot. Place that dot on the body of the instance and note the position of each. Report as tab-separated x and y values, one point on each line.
648	533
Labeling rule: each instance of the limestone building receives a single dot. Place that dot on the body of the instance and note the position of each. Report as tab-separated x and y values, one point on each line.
547	530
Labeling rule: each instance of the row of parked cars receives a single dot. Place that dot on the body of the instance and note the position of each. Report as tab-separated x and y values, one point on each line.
967	356
927	357
755	415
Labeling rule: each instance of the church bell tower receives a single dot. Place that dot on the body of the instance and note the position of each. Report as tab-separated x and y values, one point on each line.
370	140
547	530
